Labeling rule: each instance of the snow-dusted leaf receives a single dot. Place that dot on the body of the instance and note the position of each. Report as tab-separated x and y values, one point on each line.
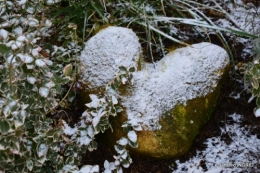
132	136
44	91
125	164
119	170
17	30
17	44
29	164
33	22
97	117
18	121
119	149
123	141
47	23
25	58
95	101
94	169
124	80
48	62
124	155
85	168
91	131
137	127
68	130
49	2
84	140
35	52
30	66
257	112
40	63
107	171
2	102
49	84
21	2
114	100
42	149
29	8
106	164
21	38
3	34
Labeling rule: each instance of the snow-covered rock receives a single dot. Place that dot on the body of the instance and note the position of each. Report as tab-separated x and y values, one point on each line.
109	49
173	98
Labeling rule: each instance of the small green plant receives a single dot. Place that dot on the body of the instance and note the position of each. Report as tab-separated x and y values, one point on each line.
252	76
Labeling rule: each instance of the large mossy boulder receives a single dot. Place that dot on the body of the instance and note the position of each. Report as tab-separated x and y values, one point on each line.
171	99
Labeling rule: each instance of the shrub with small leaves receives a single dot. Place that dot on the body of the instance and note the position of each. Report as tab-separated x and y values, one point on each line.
31	86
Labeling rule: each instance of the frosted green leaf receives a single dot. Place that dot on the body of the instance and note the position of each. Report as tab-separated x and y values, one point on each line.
124	155
25	58
35	52
40	63
17	30
132	136
95	101
49	84
49	2
91	131
44	91
120	170
124	80
2	102
119	149
114	100
31	79
3	34
30	66
4	126
29	8
95	169
18	121
125	164
257	112
48	62
47	23
33	22
29	164
21	38
123	141
21	2
137	127
42	149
